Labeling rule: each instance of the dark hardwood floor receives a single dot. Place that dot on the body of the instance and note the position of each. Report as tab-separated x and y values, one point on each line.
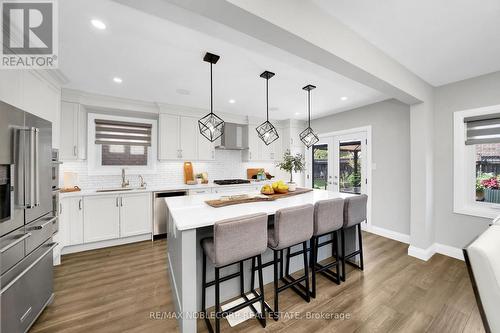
116	289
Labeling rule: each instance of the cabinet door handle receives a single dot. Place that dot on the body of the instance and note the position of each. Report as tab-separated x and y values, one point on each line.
60	208
74	151
80	204
121	202
117	201
250	155
213	154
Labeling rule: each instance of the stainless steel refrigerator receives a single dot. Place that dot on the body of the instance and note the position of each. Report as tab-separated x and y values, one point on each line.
27	218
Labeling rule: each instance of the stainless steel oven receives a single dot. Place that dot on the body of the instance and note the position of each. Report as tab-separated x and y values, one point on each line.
54	169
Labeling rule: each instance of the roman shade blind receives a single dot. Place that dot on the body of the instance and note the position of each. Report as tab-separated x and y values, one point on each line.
482	129
112	132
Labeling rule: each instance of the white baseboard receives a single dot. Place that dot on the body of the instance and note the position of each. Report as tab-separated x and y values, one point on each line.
422	254
449	251
400	237
106	243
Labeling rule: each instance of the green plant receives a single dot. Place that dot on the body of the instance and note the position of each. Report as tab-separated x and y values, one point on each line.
292	163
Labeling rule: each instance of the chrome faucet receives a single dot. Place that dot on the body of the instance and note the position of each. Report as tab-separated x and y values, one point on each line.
125	183
141	179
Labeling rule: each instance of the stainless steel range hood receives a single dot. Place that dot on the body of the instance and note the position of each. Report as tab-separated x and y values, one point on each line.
235	137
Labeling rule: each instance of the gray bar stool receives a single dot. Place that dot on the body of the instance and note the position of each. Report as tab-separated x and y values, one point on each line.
328	220
292	226
234	241
354	214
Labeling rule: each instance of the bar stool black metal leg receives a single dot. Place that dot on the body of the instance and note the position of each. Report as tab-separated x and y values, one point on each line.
335	249
281	262
261	287
217	301
360	238
313	265
252	278
306	271
242	279
275	266
342	241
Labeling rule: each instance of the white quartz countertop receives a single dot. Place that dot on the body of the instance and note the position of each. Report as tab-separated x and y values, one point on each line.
190	212
149	189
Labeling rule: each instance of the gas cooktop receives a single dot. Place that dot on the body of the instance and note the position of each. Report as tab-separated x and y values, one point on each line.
231	181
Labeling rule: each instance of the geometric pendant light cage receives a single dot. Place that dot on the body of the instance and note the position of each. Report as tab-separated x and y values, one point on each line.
211	126
266	131
307	136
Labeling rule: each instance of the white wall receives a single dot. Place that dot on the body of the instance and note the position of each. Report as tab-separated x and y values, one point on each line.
34	92
390	121
455	229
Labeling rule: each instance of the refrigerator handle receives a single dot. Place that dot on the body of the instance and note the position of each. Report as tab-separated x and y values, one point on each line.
30	164
36	165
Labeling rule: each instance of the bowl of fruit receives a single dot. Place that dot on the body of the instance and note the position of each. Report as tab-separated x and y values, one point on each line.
267	189
280	187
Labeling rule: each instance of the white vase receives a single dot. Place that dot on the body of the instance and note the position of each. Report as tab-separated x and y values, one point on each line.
291	187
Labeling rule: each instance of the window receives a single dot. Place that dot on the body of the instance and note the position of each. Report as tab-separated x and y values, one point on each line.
477	162
350	167
118	142
320	166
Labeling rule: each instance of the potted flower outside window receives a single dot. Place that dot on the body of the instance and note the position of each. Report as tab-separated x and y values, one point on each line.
491	190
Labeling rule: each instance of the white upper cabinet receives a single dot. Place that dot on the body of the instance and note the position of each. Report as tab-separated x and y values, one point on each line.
73	145
179	139
169	136
189	138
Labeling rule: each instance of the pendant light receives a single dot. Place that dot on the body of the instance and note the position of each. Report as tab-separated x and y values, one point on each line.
211	126
308	137
266	131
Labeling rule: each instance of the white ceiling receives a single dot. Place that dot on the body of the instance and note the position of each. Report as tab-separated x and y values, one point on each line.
441	41
156	59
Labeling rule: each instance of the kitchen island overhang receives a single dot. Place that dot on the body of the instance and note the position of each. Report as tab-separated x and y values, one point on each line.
191	219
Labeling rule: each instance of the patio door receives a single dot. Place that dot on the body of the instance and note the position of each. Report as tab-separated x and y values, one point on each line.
349	163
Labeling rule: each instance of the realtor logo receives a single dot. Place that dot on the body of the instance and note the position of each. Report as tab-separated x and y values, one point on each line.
29	34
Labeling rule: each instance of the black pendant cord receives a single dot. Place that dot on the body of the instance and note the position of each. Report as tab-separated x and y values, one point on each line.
267	99
211	91
309	107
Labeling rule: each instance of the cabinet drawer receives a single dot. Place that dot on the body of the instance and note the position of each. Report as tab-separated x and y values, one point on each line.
12	248
27	290
40	230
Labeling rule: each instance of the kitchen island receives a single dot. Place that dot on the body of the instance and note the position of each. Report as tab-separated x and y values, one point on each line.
191	219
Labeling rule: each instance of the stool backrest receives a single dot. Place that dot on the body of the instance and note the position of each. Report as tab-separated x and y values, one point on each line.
240	238
293	225
355	210
328	216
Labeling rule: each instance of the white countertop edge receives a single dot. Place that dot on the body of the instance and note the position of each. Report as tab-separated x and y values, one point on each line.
92	192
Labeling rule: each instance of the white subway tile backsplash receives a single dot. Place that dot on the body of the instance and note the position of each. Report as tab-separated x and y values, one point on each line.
227	164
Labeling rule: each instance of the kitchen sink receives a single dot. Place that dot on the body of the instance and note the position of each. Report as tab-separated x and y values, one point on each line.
119	189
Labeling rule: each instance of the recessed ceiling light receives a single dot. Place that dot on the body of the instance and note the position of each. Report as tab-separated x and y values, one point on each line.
98	24
343	98
297	113
181	91
117	80
232	101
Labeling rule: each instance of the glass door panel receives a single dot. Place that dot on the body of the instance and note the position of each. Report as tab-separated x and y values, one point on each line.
320	166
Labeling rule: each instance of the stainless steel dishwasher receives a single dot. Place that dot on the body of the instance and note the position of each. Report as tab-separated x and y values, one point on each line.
161	211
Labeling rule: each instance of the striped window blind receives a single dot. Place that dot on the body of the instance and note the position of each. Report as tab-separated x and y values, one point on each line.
111	132
482	129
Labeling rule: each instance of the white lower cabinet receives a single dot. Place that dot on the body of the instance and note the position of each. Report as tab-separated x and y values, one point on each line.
71	221
117	216
135	214
101	218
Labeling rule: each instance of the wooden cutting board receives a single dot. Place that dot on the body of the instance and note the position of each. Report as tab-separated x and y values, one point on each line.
236	201
271	197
